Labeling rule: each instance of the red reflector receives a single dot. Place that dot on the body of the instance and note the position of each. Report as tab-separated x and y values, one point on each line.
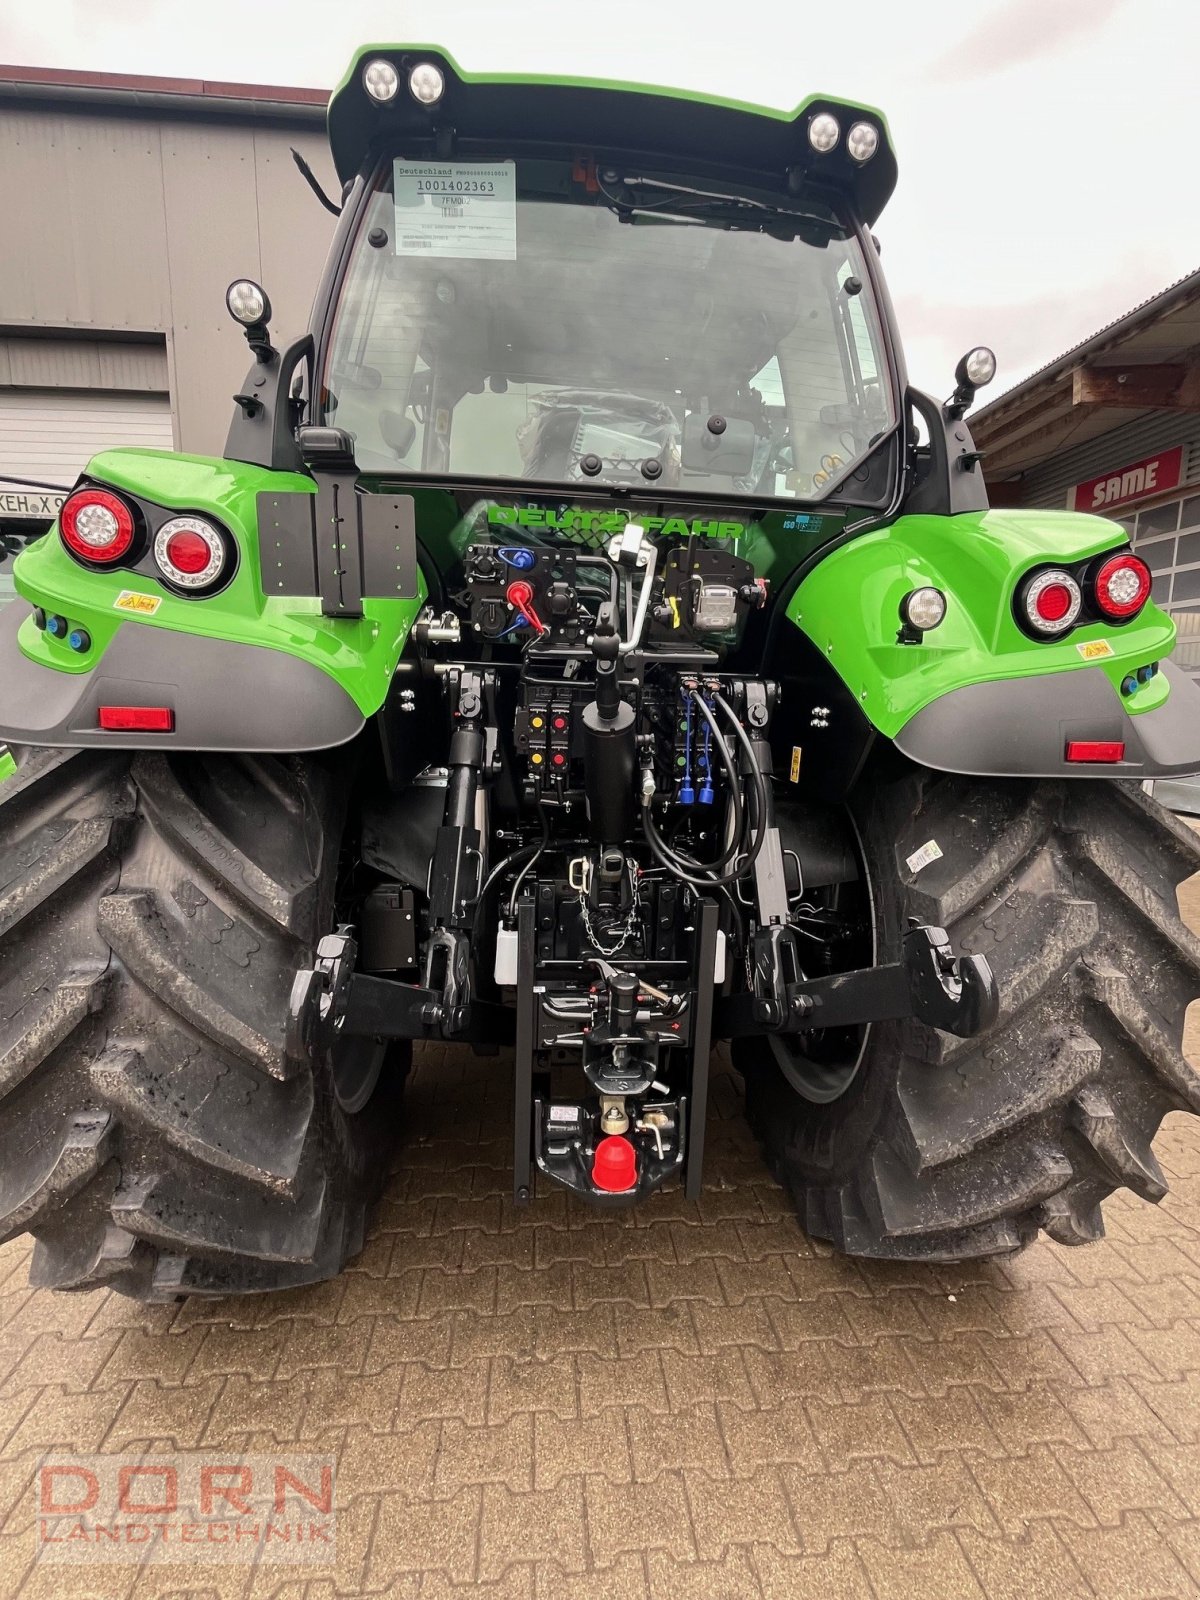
188	552
137	719
1095	749
615	1166
1054	602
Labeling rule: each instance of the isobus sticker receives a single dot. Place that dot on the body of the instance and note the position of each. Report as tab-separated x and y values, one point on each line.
131	600
463	210
922	857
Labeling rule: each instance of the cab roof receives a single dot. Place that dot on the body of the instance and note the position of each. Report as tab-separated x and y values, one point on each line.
481	111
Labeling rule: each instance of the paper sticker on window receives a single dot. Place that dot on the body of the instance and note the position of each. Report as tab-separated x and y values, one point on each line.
922	857
463	210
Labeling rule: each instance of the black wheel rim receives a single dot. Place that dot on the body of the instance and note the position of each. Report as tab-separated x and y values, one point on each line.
357	1065
813	1078
822	1066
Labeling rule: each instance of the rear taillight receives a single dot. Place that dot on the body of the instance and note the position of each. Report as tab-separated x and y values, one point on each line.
1050	602
96	525
1122	586
190	553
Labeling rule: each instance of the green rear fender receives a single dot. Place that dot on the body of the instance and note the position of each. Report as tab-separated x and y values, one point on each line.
977	693
359	655
849	606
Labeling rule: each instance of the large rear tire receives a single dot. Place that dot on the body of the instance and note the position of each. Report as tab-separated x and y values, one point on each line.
154	1134
942	1149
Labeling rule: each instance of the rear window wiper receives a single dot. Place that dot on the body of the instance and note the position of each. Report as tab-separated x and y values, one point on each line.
680	203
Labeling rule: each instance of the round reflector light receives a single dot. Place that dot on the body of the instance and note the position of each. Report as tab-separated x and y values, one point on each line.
426	83
190	552
924	609
1122	586
96	525
862	141
824	131
1052	601
247	302
980	365
381	80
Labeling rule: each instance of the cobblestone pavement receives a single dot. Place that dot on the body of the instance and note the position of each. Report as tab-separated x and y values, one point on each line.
691	1400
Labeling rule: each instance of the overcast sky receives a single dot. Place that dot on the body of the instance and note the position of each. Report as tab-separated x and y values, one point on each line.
1046	147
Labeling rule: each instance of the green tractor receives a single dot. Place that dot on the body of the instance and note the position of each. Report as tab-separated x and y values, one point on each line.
589	648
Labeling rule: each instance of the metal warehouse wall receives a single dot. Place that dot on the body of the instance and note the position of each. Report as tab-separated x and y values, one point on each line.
130	224
1048	484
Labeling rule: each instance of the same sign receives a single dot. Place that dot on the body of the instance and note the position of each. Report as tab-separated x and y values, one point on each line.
1154	475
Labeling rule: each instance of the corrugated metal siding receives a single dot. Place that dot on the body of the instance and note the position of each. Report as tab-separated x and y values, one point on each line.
83	364
176	207
1048	484
50	434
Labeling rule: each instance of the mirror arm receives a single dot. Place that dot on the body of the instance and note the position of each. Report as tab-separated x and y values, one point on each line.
259	339
262	431
952	484
959	403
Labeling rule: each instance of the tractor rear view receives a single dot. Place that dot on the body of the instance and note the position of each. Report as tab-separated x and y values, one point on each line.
589	648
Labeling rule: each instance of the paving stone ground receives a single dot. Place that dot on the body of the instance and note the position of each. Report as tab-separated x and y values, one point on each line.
693	1400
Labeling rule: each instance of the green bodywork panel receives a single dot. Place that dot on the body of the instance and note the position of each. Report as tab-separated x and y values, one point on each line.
7	766
350	81
360	654
849	606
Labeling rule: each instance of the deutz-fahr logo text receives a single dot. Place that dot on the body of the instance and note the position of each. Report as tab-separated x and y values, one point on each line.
590	526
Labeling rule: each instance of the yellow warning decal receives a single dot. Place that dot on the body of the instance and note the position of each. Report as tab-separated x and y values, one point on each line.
1095	649
794	774
144	604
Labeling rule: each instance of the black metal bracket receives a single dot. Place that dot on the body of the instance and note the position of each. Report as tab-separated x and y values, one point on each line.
330	1000
523	1065
706	963
572	1167
957	994
263	431
339	544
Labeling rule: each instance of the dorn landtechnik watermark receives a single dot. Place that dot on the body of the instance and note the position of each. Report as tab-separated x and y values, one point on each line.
199	1507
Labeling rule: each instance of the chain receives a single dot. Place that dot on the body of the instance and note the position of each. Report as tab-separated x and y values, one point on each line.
623	934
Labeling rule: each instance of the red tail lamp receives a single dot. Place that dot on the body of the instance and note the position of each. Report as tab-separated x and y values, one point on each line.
1122	586
96	525
190	553
1050	602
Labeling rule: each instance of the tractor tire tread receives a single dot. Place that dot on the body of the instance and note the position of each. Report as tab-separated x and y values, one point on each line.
1070	890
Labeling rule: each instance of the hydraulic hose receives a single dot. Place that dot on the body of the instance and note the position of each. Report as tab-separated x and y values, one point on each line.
532	862
679	866
735	788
